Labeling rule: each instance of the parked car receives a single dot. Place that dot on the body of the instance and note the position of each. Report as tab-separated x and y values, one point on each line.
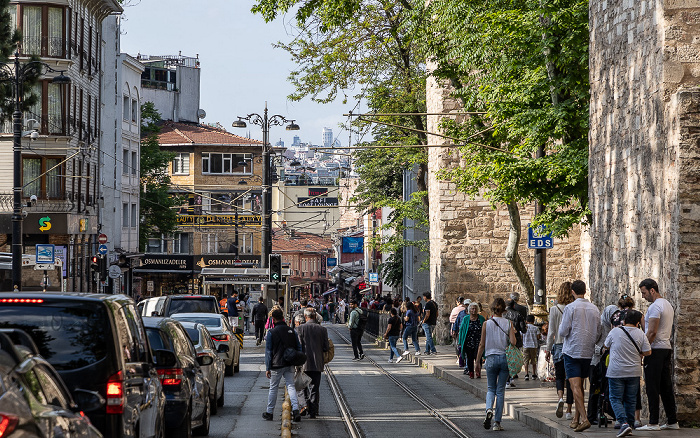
221	333
187	408
170	304
34	401
214	373
96	343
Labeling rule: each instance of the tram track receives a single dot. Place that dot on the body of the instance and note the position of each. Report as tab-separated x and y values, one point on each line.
351	423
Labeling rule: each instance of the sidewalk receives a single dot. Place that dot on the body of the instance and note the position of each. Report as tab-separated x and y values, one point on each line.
533	403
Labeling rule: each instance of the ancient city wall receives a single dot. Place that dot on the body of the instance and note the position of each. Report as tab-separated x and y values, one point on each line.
644	164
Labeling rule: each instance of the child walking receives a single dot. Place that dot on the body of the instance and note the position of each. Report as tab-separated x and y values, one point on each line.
531	347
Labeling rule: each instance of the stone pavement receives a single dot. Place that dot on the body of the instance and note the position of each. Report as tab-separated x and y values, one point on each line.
532	402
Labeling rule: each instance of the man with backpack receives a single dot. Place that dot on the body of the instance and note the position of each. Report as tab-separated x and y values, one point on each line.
357	323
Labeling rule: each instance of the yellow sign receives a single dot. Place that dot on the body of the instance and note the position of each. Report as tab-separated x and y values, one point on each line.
218	220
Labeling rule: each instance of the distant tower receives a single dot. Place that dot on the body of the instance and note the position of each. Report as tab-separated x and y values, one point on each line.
327	137
297	142
280	143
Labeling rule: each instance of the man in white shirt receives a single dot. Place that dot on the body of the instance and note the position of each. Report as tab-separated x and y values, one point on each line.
658	322
580	329
627	344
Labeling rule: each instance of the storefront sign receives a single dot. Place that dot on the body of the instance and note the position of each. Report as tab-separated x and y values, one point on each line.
317	202
353	245
166	262
218	220
318	191
225	260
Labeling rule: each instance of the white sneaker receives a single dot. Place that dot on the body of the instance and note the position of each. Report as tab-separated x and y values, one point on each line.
391	360
497	426
405	353
399	359
417	353
649	427
673	426
569	416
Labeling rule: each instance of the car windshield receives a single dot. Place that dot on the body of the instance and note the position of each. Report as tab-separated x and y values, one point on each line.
193	333
69	336
192	305
156	340
209	321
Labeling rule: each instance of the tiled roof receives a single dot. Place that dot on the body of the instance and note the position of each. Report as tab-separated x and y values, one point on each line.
282	241
179	133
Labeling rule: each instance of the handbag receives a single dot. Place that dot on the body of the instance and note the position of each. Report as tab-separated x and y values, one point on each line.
301	379
514	356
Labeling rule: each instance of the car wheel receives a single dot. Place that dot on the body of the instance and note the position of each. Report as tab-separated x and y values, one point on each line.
220	400
237	367
160	428
228	370
185	429
203	430
212	400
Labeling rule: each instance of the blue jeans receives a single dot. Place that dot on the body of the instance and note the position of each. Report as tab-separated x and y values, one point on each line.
411	331
392	347
288	374
429	345
623	397
496	377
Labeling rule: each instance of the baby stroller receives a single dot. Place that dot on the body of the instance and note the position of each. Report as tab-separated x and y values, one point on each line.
599	387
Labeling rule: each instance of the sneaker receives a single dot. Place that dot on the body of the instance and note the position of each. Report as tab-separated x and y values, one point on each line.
534	377
560	408
355	359
673	426
649	427
417	353
637	424
433	352
399	359
569	416
487	420
466	371
497	426
427	353
510	385
362	356
625	430
267	416
391	361
405	353
527	377
296	416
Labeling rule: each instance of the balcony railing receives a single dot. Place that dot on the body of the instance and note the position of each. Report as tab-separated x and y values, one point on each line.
52	47
49	124
39	206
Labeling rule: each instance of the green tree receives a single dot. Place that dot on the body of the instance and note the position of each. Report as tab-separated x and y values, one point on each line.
524	66
158	214
360	50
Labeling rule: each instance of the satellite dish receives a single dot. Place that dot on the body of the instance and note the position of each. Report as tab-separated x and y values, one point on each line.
201	113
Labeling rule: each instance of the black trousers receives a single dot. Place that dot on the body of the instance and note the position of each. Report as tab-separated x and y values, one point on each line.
260	330
657	374
311	392
562	382
471	357
356	338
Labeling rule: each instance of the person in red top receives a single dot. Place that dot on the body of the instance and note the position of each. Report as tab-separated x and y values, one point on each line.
222	305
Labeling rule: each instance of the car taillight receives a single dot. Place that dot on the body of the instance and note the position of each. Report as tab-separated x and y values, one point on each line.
115	394
223	337
170	376
8	422
23	301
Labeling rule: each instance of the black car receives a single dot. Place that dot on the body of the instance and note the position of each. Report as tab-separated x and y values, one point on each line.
95	343
170	304
34	402
187	406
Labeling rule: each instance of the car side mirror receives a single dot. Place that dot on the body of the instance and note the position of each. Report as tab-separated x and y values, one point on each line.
88	400
164	358
223	348
205	360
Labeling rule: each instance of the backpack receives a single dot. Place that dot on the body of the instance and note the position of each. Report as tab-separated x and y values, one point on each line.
330	354
362	320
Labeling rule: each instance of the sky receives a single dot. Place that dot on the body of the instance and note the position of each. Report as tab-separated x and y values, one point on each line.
240	68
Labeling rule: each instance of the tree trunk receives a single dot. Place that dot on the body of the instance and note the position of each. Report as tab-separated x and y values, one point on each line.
512	255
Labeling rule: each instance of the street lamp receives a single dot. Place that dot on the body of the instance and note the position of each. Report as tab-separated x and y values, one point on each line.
18	74
265	122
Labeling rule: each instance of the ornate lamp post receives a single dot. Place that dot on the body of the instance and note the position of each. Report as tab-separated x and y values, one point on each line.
265	122
17	74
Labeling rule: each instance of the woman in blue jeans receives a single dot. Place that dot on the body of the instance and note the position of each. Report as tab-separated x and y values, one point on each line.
496	334
410	328
393	328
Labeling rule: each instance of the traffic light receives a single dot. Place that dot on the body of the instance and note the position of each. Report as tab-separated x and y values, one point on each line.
103	268
94	263
275	268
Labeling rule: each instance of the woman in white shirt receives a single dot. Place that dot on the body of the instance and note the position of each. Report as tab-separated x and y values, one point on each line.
496	334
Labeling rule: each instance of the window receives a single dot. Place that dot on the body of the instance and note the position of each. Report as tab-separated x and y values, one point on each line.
31	30
226	163
43	177
125	215
55	43
134	215
157	245
125	108
134	110
181	164
245	243
54	109
181	244
125	162
134	163
210	242
42	30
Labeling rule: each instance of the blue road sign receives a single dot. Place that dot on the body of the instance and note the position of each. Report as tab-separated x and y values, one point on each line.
539	238
374	277
102	249
45	254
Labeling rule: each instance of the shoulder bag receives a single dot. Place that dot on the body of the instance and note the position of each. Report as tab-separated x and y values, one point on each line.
514	356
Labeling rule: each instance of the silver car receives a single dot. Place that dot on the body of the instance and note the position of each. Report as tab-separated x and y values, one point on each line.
214	373
221	334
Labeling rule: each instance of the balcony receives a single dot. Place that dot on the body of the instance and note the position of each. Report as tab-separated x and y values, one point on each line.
45	46
66	204
49	124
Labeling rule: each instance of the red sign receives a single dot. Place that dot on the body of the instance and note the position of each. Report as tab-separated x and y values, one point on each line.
102	238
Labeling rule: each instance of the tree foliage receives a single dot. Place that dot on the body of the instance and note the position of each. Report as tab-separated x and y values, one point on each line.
158	214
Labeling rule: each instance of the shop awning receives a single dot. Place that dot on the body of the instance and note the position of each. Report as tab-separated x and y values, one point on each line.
330	291
365	291
162	271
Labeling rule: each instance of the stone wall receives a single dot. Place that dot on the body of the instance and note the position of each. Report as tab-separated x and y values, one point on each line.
644	164
468	237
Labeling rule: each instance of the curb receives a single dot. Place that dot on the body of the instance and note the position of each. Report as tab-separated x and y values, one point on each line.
516	410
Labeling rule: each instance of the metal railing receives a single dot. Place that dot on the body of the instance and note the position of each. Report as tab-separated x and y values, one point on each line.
41	205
